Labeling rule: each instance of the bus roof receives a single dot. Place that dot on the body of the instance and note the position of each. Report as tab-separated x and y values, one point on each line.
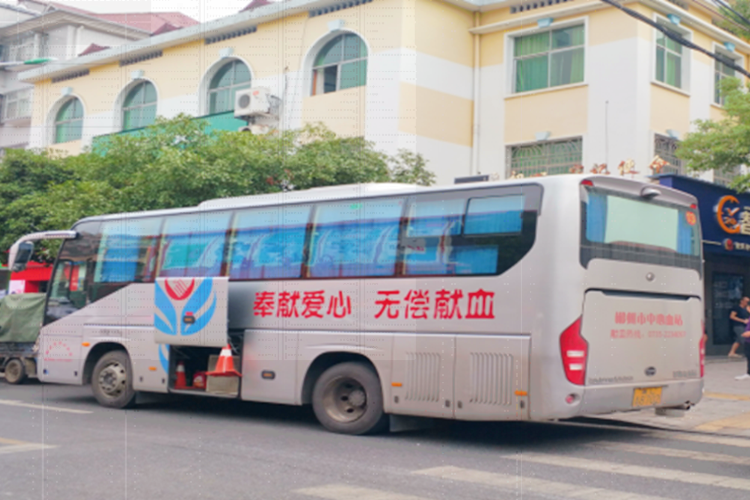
369	190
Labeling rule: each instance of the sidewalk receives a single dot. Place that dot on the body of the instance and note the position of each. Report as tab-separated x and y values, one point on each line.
724	409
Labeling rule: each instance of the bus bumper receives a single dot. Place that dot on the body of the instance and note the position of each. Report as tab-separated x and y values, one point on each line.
610	399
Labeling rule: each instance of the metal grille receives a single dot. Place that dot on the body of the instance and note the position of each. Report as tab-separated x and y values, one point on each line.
491	378
664	148
548	158
535	4
140	58
725	178
422	377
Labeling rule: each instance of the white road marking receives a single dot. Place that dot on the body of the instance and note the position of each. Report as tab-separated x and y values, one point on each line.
701	438
21	404
18	448
671	452
346	492
523	484
637	470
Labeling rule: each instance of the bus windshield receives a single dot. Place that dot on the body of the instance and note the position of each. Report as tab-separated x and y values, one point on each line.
622	227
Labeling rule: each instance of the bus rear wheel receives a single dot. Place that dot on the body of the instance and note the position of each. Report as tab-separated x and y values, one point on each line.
15	371
112	380
348	399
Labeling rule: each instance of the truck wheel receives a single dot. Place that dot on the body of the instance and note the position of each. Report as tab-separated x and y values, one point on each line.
15	371
112	380
348	399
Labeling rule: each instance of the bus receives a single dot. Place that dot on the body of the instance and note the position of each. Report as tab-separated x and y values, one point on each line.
528	300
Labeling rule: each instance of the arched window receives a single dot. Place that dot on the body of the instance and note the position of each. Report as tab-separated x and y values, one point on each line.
139	107
69	121
224	85
341	64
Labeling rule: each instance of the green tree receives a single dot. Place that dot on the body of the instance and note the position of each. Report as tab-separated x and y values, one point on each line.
722	145
179	163
26	177
737	24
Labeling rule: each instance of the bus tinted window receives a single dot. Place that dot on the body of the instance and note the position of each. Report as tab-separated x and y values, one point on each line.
128	250
193	245
621	227
461	236
268	243
355	238
494	214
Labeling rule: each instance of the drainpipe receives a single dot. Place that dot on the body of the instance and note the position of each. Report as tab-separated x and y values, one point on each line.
475	135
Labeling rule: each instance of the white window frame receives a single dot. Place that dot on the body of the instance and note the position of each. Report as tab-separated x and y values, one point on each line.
510	40
18	97
685	58
738	59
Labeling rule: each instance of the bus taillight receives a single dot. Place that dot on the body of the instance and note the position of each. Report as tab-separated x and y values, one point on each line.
574	350
703	348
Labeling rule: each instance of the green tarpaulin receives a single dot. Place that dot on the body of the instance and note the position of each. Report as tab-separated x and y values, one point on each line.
21	317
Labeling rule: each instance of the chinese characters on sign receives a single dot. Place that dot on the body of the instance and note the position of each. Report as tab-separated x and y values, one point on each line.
391	304
447	304
645	321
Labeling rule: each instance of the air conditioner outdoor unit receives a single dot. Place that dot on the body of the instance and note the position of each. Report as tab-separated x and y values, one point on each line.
256	101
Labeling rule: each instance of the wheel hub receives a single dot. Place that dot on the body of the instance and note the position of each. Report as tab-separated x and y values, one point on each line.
112	379
345	400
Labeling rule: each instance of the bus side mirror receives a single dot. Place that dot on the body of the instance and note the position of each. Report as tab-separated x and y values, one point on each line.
23	254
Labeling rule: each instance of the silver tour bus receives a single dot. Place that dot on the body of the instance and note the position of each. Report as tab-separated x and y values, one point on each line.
532	299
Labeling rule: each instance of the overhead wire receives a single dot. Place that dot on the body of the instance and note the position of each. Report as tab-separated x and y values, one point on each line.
673	35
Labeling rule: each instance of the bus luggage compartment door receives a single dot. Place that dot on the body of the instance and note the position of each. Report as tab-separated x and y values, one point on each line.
492	377
191	311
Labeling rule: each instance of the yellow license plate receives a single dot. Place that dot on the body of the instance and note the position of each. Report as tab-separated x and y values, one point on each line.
649	396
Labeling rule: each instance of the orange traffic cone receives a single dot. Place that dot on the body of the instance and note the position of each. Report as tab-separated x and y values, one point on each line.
181	382
225	365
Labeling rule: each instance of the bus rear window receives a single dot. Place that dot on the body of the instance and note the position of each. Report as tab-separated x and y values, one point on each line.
620	227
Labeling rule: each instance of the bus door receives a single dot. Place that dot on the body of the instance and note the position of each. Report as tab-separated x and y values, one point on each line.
191	311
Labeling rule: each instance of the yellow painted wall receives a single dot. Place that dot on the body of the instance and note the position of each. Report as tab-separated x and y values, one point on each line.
716	114
442	30
562	112
611	25
429	113
275	46
669	110
66	148
343	111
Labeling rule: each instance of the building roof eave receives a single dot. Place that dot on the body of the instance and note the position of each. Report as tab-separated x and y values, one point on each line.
61	17
266	13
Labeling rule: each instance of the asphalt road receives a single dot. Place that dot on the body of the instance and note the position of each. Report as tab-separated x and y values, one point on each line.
56	443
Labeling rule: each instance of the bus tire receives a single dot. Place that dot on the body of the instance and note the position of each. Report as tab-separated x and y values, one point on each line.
348	399
112	380
15	371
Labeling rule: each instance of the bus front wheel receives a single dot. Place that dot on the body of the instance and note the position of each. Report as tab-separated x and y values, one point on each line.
112	380
15	371
348	399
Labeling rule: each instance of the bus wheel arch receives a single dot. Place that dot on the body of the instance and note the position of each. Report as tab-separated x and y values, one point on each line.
346	393
95	354
322	363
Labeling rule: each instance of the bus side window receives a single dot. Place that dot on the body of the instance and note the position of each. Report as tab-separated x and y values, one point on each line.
127	254
193	245
71	281
268	243
356	238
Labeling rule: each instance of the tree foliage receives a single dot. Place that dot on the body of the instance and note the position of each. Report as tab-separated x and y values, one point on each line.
737	24
178	163
722	145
